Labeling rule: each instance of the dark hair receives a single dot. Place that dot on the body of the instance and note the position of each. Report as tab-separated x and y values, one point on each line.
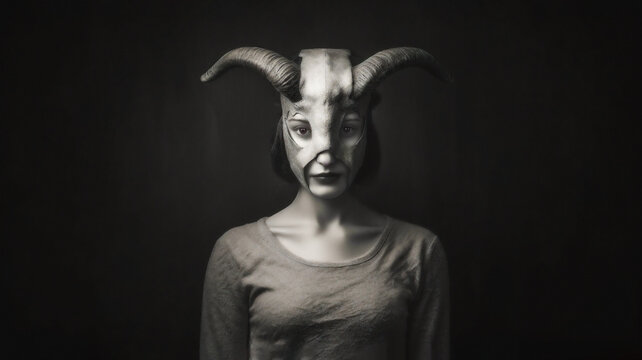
371	160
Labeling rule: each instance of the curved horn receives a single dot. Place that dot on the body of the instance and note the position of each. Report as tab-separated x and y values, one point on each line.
371	71
281	72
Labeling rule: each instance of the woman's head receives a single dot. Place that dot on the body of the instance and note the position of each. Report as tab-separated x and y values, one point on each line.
325	103
324	129
362	129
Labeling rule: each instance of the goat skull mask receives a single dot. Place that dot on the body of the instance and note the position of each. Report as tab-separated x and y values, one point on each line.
324	100
326	120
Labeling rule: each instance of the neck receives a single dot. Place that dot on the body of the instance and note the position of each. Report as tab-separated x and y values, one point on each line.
325	211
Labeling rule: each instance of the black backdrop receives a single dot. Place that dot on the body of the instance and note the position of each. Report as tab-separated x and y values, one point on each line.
121	169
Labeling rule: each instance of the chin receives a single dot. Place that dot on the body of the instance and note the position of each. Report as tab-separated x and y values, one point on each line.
328	192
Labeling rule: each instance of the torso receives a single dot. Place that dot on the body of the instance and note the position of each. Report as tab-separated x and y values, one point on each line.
363	308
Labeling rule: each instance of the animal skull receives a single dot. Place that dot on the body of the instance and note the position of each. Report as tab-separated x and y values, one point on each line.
324	99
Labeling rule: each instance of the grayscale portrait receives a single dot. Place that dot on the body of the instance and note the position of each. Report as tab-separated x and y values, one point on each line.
326	277
290	179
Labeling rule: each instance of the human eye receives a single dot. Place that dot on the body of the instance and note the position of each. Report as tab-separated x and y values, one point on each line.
299	126
351	125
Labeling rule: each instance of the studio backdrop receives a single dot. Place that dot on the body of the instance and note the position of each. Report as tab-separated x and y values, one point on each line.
122	168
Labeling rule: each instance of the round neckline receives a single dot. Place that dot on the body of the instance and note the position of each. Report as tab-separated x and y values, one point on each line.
374	250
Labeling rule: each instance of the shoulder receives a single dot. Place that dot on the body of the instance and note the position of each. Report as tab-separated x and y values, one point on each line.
422	249
238	243
413	235
415	243
240	234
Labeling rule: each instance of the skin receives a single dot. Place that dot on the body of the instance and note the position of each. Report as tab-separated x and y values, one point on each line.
326	230
324	133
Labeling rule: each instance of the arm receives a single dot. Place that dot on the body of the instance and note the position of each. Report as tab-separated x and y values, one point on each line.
428	331
224	317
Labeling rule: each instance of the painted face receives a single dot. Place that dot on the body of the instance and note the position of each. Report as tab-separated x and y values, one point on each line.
324	132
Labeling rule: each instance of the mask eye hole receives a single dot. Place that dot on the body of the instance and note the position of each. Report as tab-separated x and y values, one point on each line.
351	126
299	128
302	131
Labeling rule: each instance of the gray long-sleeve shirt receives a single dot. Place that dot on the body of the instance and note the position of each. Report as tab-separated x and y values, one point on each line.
260	301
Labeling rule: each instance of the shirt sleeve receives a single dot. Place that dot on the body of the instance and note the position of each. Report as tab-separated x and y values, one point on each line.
429	325
224	316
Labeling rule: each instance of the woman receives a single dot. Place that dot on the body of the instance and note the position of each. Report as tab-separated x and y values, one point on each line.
326	277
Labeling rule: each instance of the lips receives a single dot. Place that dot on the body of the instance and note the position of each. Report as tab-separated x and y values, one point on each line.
326	178
327	175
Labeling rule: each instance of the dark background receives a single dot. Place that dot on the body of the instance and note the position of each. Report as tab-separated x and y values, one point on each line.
121	169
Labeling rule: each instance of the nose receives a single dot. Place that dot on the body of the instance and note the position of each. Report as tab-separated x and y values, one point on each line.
325	158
